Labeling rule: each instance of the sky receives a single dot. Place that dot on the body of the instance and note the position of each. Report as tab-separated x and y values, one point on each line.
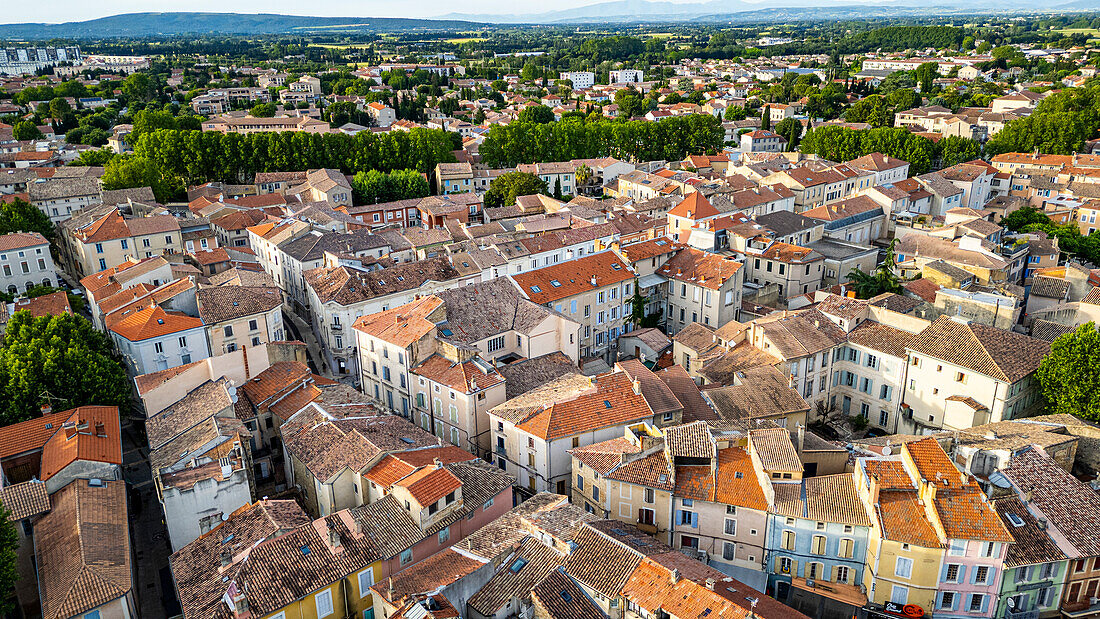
80	10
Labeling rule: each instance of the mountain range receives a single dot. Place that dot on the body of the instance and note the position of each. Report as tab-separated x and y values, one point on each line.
658	11
612	12
169	24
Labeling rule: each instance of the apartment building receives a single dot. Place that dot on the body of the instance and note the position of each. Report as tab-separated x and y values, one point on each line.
153	339
702	287
593	290
237	316
25	262
963	374
101	238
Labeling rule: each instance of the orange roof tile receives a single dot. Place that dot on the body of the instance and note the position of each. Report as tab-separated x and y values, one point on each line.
612	402
403	325
90	433
154	322
695	207
430	483
573	277
397	466
30	435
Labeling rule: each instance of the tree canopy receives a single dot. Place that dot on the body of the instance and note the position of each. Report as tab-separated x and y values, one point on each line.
373	186
58	360
22	216
1070	374
504	189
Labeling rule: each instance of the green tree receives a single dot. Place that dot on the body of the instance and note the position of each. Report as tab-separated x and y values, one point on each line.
790	128
925	74
148	121
630	102
504	189
373	186
557	188
766	118
1070	374
139	87
530	71
637	306
128	171
9	569
735	112
263	110
537	114
26	130
22	216
57	358
98	157
881	280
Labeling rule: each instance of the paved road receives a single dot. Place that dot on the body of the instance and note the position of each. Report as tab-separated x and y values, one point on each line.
156	596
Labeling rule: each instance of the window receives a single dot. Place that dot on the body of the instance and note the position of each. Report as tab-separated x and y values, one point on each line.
649	498
846	548
947	600
842	574
817	545
981	574
786	565
444	535
729	551
687	518
158	347
580	483
595	493
957	549
989	549
406	556
788	540
977	602
647	516
145	243
952	573
253	325
731	527
899	594
366	581
324	603
904	567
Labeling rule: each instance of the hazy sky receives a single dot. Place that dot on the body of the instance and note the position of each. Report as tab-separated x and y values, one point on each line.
79	10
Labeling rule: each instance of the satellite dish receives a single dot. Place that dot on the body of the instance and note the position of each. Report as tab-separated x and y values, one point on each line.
887	451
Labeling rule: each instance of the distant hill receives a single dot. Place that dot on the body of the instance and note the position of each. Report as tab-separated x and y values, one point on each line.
716	11
169	24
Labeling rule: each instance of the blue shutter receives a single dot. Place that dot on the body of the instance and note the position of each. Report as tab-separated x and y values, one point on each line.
695	520
676	515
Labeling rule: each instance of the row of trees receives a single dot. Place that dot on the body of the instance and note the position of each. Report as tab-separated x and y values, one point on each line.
595	136
1059	125
372	187
180	158
842	144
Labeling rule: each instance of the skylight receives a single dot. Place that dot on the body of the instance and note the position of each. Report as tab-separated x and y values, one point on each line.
517	565
555	283
536	289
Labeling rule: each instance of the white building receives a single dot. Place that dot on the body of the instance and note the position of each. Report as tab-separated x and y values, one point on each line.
153	339
25	262
625	76
580	79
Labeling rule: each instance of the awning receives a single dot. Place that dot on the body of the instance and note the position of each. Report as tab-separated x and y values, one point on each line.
648	281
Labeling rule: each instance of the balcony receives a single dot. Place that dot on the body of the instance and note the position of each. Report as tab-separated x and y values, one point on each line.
648	528
336	327
1083	608
501	451
1021	614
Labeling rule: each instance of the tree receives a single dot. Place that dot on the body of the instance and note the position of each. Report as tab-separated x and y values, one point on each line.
735	112
925	74
139	87
26	130
98	157
53	358
148	121
1070	374
9	570
537	114
373	186
766	118
530	71
630	102
263	110
881	280
504	189
637	306
22	216
128	171
790	128
59	108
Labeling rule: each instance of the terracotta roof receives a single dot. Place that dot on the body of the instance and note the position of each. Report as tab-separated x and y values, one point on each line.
657	394
222	303
153	322
903	519
833	498
404	325
466	377
700	268
30	435
880	337
53	304
83	548
1032	543
687	392
573	277
774	449
1070	506
91	433
997	353
525	568
25	500
560	598
430	483
21	240
397	466
890	474
575	404
694	206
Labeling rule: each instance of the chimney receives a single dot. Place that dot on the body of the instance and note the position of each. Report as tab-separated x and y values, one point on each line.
70	429
333	538
674	576
227	557
45	409
438	463
100	429
711	583
637	384
593	280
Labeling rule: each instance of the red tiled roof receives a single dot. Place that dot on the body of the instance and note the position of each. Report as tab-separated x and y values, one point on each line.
154	322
